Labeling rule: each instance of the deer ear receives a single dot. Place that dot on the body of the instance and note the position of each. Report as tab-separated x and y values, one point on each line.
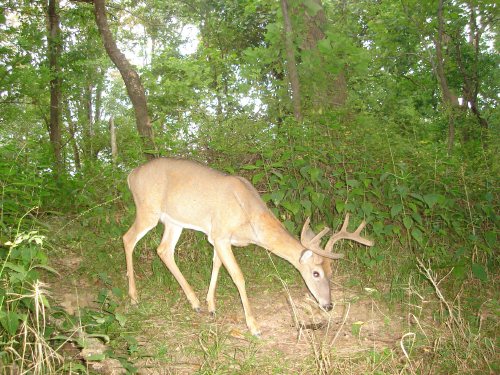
306	254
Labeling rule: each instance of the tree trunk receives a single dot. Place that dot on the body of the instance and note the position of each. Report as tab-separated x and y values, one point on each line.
54	52
132	80
98	97
112	132
450	101
334	93
90	122
471	80
293	74
74	143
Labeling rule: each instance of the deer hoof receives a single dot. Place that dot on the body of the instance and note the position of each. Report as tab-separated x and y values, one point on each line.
257	334
197	309
212	314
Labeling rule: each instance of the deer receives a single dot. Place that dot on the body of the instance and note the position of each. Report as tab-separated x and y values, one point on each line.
184	194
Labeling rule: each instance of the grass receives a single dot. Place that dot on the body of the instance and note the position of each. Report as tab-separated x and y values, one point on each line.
424	300
430	332
410	325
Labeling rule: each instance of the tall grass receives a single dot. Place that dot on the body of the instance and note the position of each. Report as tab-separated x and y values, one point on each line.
25	348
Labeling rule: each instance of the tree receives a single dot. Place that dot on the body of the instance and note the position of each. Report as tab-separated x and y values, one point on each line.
54	46
334	93
291	63
132	80
450	100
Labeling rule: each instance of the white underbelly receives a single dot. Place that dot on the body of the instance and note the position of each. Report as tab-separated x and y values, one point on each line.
167	219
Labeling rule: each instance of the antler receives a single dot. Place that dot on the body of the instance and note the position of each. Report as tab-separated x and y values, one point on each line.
344	234
312	241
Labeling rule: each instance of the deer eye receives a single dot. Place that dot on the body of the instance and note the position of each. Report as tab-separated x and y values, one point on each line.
315	274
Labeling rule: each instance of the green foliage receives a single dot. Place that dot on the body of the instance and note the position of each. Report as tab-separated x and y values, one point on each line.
23	302
377	154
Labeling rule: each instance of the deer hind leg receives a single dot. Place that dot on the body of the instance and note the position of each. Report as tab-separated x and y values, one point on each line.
141	226
213	284
224	252
166	252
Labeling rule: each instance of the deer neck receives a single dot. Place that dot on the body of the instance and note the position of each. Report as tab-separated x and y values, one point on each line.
275	238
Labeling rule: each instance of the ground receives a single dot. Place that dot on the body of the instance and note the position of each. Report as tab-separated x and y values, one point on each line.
297	336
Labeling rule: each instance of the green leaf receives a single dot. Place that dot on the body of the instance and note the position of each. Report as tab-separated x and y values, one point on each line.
74	366
378	227
121	319
306	203
491	238
15	267
277	197
384	176
367	208
318	199
10	321
479	272
431	199
100	336
402	190
293	207
118	292
324	46
396	209
304	171
417	235
356	328
289	225
339	206
266	197
277	173
416	216
459	271
408	222
312	7
47	268
96	357
315	174
249	167
45	301
353	183
104	277
257	178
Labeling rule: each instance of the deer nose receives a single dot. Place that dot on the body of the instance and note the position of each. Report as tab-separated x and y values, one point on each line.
328	307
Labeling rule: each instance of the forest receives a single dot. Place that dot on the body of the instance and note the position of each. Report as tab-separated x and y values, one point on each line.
382	110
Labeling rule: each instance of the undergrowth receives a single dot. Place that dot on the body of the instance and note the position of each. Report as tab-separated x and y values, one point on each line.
433	218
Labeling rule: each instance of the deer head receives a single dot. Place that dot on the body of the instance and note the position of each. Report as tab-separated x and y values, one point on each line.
316	261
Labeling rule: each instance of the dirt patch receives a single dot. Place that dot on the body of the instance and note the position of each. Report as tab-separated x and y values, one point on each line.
172	339
293	329
294	322
70	291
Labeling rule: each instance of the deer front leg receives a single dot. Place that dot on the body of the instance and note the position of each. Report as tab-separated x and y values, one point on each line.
129	249
223	249
166	252
141	226
213	284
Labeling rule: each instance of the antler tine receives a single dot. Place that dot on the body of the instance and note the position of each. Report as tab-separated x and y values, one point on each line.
345	224
308	237
327	254
312	241
360	228
305	229
344	234
317	238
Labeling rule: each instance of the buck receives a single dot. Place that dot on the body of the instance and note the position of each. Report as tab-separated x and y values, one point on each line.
228	209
